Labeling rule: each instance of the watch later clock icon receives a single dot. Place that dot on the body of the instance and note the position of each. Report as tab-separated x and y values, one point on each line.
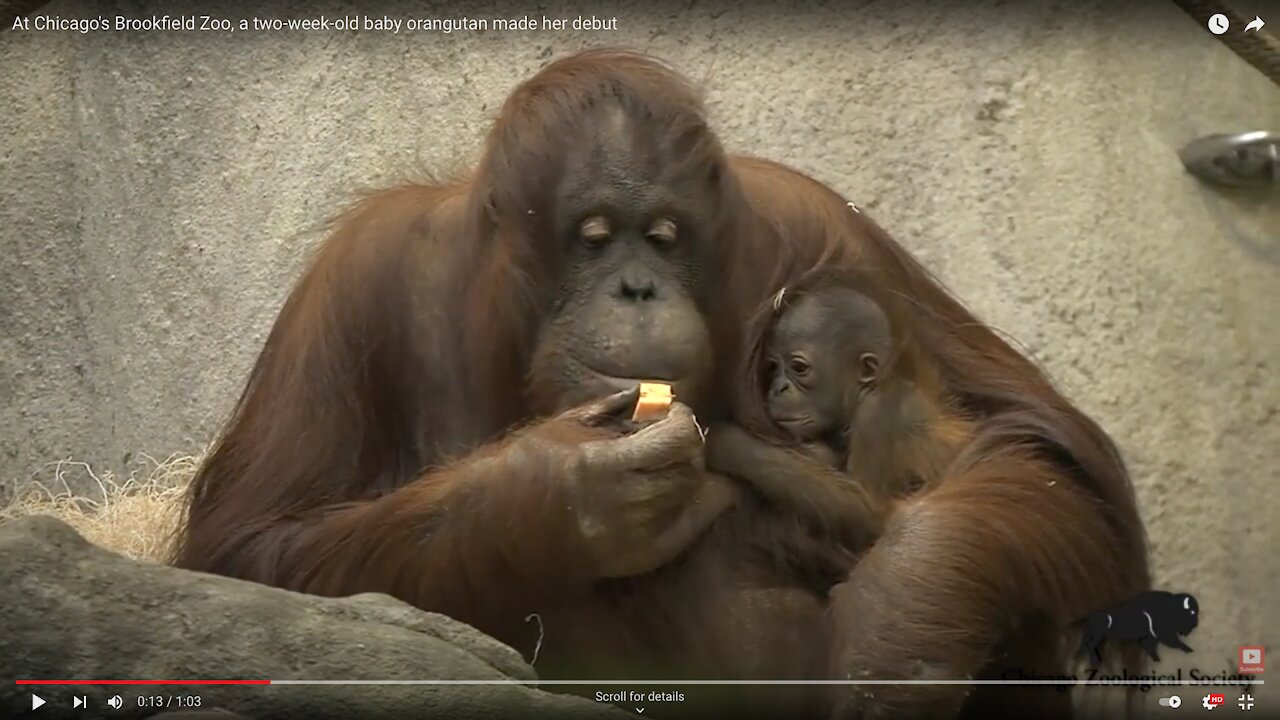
1218	24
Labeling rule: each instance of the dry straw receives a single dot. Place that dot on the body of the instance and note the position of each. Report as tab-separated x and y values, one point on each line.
135	516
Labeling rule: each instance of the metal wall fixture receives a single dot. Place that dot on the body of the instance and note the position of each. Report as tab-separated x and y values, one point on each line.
1250	159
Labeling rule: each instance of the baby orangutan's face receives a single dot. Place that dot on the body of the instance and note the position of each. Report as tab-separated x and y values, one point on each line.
806	386
823	358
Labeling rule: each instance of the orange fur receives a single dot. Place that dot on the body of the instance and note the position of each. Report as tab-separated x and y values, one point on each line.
905	435
373	447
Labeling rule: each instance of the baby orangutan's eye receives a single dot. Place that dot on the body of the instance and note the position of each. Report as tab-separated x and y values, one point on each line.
800	366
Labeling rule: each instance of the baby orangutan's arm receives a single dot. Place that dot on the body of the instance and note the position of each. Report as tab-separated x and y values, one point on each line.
799	480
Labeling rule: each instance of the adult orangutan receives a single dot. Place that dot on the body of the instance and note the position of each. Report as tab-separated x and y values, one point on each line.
434	416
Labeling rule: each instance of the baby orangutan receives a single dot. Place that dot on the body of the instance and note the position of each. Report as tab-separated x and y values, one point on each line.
865	408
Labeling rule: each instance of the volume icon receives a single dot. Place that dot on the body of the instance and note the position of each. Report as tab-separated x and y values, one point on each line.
115	702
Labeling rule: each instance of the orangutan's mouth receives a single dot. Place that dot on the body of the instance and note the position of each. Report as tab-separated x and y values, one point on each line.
626	383
793	422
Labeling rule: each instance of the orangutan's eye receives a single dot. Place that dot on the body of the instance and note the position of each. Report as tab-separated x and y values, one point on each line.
662	232
594	230
799	366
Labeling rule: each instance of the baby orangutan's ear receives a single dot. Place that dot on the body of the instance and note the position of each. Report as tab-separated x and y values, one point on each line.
869	367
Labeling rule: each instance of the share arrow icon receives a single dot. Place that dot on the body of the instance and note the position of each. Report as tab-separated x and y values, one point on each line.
1256	25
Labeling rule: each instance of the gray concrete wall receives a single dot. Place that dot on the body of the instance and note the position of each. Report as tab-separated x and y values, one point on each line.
158	192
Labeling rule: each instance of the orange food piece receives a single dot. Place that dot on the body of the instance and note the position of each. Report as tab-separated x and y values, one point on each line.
655	400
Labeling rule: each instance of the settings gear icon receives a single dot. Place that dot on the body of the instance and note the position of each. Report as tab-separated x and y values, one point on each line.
1208	702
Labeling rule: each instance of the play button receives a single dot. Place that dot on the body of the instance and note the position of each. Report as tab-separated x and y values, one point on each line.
36	701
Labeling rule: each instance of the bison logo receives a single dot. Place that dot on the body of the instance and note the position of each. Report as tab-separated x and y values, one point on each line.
1150	618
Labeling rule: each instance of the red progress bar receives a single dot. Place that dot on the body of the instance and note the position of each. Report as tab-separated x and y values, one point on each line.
143	682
